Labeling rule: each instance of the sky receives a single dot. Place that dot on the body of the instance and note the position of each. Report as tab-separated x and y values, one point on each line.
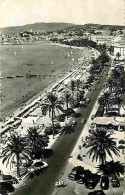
21	12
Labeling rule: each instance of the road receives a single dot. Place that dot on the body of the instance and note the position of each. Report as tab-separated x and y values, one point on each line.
45	183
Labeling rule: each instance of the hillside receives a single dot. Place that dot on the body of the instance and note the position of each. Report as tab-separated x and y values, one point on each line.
96	26
35	27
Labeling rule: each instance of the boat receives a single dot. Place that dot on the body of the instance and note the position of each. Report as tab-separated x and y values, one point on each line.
1	77
10	77
52	66
67	56
15	53
18	76
52	62
71	53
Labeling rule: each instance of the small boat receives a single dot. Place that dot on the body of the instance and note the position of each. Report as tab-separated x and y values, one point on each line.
52	62
18	76
1	77
67	56
15	53
73	59
52	66
71	53
10	77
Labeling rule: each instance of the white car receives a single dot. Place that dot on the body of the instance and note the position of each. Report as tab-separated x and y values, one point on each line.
83	121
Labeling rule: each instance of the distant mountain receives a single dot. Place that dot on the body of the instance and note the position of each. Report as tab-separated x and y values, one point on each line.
96	26
35	27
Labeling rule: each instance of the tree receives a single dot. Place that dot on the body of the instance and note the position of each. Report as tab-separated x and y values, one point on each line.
35	141
111	84
68	99
118	55
72	86
16	149
111	167
78	85
101	143
119	102
67	129
51	104
105	100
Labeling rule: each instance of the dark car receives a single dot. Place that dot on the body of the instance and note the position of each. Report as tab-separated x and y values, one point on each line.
6	187
72	175
92	181
96	192
104	183
76	171
81	178
115	181
9	179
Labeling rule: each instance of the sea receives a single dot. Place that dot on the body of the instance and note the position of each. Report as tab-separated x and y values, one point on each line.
25	70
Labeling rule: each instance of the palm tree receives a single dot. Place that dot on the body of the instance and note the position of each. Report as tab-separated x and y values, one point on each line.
111	84
101	143
111	167
51	104
67	129
16	149
35	141
119	102
105	100
68	99
118	55
72	86
78	85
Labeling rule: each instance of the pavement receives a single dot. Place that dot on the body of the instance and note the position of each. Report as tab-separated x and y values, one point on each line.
63	147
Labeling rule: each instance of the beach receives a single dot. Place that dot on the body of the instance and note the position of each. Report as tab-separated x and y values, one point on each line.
47	64
19	92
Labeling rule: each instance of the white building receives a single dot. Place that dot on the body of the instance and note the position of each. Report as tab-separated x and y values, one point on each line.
119	47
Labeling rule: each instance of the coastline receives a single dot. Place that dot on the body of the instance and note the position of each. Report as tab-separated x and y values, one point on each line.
15	112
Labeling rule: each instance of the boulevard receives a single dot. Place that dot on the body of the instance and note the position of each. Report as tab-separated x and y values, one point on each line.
45	183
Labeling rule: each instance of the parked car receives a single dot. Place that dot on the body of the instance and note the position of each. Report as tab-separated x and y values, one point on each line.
92	181
74	123
83	121
96	192
72	175
87	100
6	187
115	181
81	178
104	183
9	179
75	172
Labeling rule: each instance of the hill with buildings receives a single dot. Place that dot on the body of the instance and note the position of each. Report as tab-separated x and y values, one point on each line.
35	27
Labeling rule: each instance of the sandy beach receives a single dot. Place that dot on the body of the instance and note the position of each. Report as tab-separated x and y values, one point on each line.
27	101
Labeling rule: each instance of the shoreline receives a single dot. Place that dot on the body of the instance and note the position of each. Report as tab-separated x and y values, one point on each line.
8	108
16	111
